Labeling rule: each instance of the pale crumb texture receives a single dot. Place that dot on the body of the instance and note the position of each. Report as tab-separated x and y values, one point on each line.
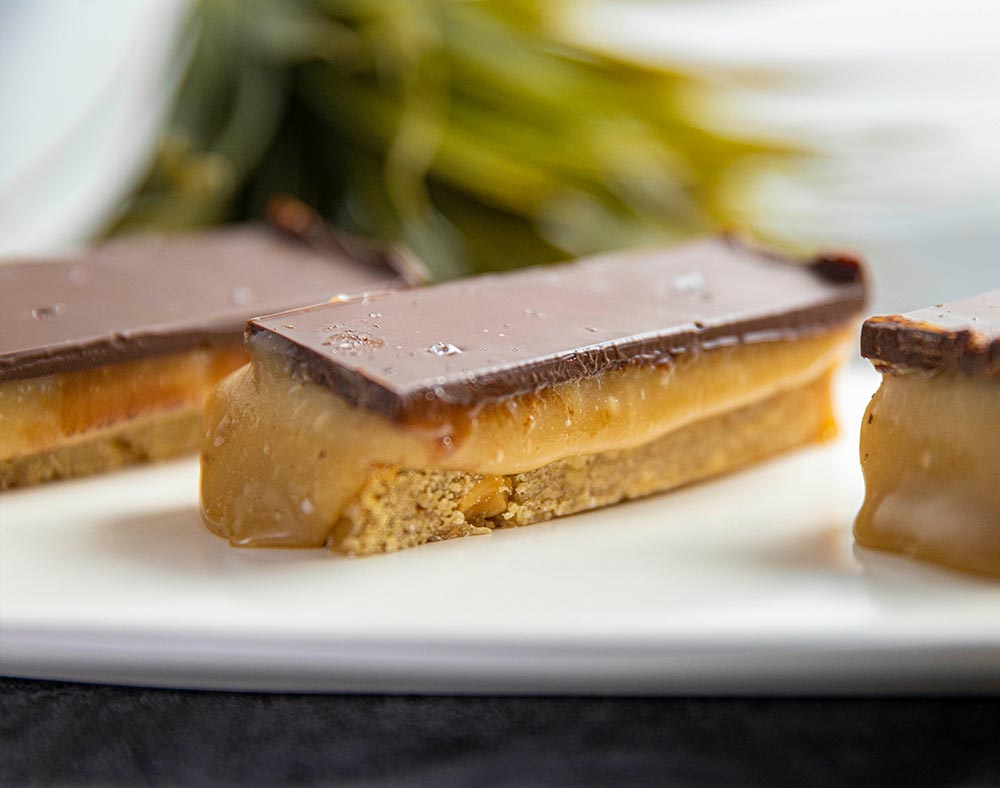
400	508
153	438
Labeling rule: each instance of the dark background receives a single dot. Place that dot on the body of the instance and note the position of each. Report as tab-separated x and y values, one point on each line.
57	734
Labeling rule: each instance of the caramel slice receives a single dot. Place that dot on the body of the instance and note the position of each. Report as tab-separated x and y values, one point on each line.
106	358
87	421
930	439
395	419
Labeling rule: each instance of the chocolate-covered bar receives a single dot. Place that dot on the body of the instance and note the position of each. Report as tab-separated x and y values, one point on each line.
930	439
106	357
394	419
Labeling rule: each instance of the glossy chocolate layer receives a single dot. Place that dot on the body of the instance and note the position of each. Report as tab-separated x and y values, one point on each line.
961	336
483	339
140	296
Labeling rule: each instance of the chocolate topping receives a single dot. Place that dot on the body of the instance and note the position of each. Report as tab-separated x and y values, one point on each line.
484	339
961	336
147	295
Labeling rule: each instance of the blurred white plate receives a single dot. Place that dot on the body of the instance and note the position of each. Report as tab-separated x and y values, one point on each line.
85	88
743	585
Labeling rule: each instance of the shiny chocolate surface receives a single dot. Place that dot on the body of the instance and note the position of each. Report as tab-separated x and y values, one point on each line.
961	336
491	337
139	296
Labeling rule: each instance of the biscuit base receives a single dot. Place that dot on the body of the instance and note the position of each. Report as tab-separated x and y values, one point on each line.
399	508
151	438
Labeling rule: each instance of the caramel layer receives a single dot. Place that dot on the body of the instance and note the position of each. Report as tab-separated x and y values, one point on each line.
282	458
149	438
930	449
404	507
42	415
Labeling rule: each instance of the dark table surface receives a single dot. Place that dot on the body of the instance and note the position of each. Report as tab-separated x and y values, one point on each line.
56	734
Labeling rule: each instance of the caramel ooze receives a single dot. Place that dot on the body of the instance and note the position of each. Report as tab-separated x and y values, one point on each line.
930	445
283	457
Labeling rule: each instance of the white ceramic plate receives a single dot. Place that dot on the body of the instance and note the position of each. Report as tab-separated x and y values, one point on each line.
745	584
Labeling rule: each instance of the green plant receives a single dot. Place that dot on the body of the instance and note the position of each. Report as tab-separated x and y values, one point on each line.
473	132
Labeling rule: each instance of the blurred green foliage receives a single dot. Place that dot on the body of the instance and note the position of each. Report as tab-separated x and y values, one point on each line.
473	132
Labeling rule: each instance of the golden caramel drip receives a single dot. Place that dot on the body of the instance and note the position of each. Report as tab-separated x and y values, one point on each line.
930	452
